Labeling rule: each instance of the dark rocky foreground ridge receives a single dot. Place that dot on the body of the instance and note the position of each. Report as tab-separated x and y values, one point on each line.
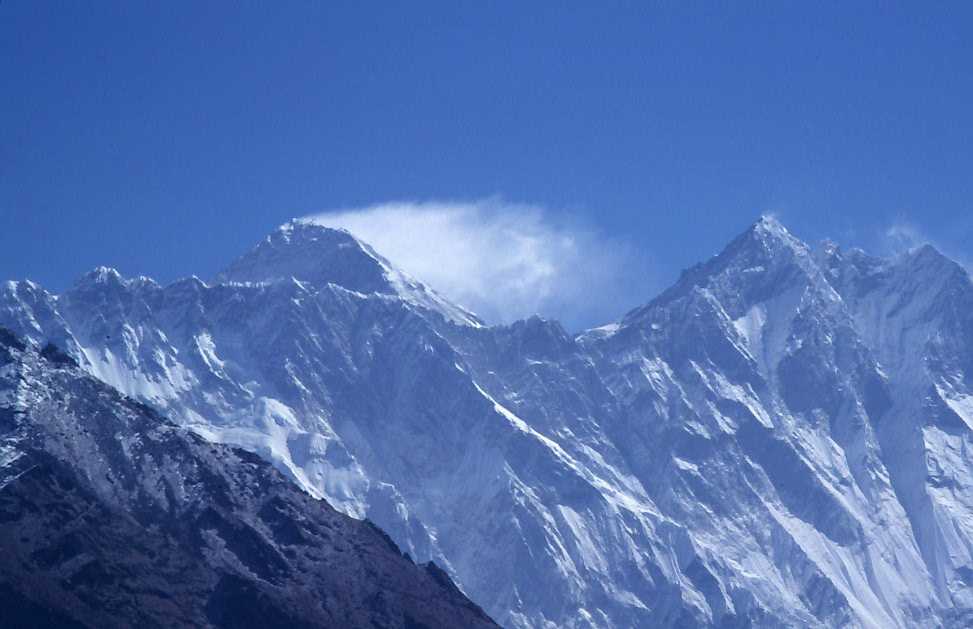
110	516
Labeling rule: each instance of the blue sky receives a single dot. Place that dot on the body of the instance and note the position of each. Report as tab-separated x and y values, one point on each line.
165	138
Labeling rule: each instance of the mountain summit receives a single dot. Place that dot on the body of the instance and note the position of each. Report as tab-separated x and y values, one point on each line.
309	252
777	440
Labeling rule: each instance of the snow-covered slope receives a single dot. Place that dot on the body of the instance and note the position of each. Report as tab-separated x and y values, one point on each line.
110	516
779	439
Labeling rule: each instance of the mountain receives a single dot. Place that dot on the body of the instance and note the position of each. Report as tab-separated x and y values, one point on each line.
110	516
779	439
303	250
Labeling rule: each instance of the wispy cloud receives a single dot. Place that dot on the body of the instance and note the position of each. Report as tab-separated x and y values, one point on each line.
903	235
506	261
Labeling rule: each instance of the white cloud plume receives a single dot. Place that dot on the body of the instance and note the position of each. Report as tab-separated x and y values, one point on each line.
506	261
902	236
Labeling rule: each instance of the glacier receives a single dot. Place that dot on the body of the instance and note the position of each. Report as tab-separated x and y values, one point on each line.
113	517
781	438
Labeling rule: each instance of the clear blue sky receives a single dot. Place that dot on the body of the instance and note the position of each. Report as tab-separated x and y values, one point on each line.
164	138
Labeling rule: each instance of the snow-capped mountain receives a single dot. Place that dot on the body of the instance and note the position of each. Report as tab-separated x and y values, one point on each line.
780	439
110	516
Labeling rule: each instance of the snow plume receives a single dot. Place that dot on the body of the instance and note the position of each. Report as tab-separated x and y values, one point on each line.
506	261
903	236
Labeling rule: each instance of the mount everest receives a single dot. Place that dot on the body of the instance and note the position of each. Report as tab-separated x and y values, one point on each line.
779	439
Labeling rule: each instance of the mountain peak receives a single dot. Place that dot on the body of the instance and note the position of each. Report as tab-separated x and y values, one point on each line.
318	255
769	223
299	229
102	280
101	275
926	261
761	261
769	231
930	254
764	244
312	253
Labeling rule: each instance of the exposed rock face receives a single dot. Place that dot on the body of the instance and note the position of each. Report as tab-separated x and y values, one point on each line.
780	439
110	516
